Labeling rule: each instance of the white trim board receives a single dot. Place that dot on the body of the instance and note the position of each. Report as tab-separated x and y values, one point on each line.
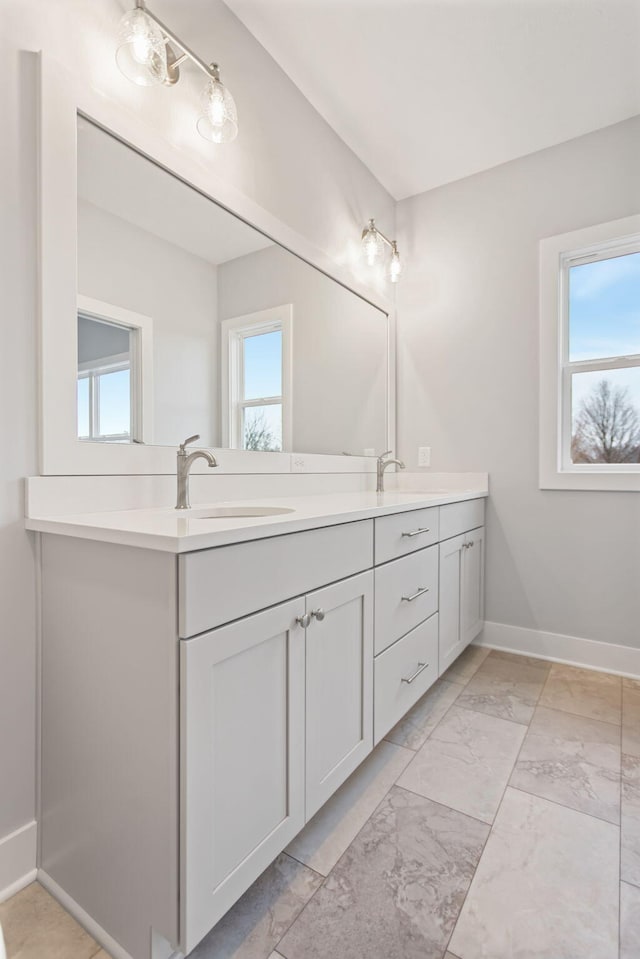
18	860
557	648
160	947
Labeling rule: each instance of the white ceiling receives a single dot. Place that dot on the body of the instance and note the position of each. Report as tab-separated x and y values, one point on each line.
115	178
430	91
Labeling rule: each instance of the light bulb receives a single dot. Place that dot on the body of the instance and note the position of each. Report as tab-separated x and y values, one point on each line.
372	244
395	265
219	120
142	53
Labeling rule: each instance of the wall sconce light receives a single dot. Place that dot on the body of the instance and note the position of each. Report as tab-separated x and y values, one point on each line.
373	247
146	56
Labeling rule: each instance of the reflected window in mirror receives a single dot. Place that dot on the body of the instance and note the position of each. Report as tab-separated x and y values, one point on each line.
110	400
257	405
105	404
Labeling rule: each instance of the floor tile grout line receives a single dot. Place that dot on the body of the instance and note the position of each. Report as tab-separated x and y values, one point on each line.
325	878
444	805
566	712
431	731
306	865
556	802
480	712
477	866
504	792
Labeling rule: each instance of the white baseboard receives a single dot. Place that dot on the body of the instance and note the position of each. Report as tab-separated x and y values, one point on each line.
160	948
557	648
18	860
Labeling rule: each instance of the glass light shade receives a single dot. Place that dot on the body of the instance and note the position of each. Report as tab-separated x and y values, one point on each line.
142	53
372	245
395	267
219	120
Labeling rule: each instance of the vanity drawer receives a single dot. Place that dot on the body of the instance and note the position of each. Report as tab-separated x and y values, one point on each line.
456	518
405	533
406	593
216	586
403	673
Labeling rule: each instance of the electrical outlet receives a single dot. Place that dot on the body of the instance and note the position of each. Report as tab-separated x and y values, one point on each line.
424	456
298	464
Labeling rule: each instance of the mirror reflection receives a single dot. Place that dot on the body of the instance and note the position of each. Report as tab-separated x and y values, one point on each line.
191	321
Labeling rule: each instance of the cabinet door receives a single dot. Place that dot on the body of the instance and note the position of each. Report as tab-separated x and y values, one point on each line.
339	667
450	643
242	758
472	587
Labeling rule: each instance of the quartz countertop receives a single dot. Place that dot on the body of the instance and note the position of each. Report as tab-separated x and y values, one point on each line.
183	531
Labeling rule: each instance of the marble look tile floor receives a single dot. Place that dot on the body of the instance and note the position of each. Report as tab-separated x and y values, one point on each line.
499	820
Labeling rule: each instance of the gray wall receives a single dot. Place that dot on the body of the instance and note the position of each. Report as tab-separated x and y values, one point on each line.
286	158
565	562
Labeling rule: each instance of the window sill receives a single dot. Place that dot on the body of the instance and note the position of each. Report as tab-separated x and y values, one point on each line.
612	482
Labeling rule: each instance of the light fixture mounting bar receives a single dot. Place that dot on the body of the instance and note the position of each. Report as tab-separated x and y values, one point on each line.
211	70
390	243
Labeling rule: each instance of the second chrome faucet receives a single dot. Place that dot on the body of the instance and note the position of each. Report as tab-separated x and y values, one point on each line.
185	461
382	465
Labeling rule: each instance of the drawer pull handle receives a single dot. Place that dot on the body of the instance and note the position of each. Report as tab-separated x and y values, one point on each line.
420	669
421	590
303	620
417	532
318	613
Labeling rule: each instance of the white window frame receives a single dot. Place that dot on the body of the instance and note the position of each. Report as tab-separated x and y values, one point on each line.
92	371
140	362
234	332
557	255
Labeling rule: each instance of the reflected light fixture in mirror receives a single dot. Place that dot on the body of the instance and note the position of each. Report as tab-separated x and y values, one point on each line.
374	243
146	56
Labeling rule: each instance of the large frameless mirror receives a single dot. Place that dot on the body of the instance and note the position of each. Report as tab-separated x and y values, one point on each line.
192	321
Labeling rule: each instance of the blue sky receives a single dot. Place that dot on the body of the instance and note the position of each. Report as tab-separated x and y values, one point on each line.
263	365
604	320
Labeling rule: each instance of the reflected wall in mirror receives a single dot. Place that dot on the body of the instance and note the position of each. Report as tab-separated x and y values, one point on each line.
191	321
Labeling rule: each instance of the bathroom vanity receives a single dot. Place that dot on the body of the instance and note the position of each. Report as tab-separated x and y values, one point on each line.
208	683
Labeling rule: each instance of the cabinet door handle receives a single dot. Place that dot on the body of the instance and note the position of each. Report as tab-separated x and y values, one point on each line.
421	590
417	532
303	620
318	613
420	669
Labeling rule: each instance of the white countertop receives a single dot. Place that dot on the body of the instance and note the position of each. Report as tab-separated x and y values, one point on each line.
184	531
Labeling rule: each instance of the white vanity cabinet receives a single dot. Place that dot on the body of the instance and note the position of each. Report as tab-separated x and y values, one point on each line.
339	685
242	757
461	593
198	709
276	712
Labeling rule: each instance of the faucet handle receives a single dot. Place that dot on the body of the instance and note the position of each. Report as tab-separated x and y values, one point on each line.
190	439
382	455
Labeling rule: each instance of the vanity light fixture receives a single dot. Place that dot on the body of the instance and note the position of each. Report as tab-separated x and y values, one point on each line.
373	247
146	56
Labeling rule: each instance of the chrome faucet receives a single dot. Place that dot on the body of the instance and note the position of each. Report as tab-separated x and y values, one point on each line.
184	465
382	465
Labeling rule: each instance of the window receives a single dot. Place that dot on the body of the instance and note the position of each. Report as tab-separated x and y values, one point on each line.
114	374
106	406
257	385
590	358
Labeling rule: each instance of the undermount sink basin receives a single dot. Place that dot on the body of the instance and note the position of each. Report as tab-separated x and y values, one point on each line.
240	512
